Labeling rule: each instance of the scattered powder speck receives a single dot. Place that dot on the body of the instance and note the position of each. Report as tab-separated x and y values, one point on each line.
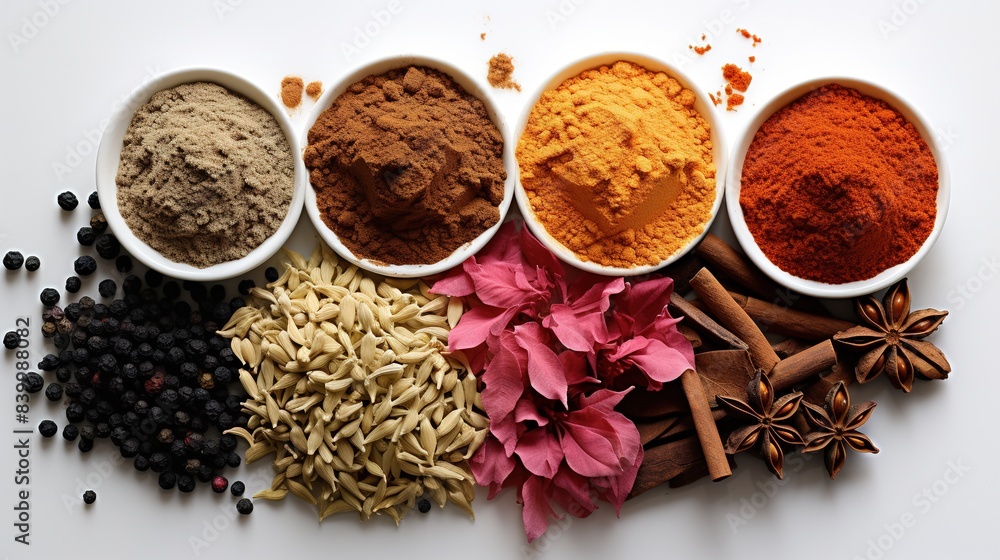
749	35
733	101
736	76
314	90
482	36
501	67
753	59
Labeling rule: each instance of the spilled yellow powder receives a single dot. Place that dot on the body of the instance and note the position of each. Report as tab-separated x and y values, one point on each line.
617	165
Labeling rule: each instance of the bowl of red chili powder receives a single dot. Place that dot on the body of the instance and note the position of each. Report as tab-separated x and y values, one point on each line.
838	188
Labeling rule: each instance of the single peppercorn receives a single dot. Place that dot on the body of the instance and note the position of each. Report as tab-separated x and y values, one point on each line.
89	497
85	445
94	201
108	246
11	340
73	284
185	483
167	480
32	382
70	432
141	463
54	392
107	288
67	201
245	286
85	265
423	505
49	297
123	264
32	263
238	488
244	506
13	260
47	428
86	236
99	223
271	274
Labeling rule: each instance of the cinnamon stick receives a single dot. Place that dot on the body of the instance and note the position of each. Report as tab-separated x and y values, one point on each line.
734	266
800	368
704	426
790	322
731	315
700	320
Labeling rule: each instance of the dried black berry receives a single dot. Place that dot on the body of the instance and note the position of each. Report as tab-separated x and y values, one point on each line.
49	296
73	284
54	392
108	246
85	265
107	288
129	447
123	264
244	506
271	274
70	432
238	488
219	484
141	463
85	445
67	201
33	382
87	432
32	263
423	505
185	483
11	340
89	497
47	428
75	413
94	201
13	260
245	286
86	236
99	223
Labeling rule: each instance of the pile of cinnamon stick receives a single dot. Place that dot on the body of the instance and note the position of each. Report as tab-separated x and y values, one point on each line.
734	305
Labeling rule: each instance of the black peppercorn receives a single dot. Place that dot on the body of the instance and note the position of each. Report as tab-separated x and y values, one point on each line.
141	463
108	246
32	263
245	286
129	447
49	296
102	430
89	497
87	432
86	236
54	392
11	340
107	288
64	374
131	284
94	201
271	274
47	428
123	263
13	260
73	284
32	382
85	265
118	434
423	505
67	201
159	462
85	445
185	483
237	488
70	432
167	480
233	459
244	506
99	223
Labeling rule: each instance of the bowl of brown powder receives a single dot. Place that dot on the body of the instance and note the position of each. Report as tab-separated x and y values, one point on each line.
621	162
198	175
838	188
408	165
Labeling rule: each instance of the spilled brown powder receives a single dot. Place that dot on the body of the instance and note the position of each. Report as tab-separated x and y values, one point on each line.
501	68
291	91
314	90
407	166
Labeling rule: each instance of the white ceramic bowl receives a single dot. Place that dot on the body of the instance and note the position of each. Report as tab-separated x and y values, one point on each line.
108	157
719	156
470	85
812	287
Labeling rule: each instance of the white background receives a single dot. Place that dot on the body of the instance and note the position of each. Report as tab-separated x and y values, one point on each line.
64	74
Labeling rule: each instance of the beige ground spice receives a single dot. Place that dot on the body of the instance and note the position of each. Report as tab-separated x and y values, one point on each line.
205	176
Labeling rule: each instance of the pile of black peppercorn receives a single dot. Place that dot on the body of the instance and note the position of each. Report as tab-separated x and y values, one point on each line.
148	372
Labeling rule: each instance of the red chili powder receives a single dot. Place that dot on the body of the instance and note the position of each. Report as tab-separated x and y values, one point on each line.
734	100
736	76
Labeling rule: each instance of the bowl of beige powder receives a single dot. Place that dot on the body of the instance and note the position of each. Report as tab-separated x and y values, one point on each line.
198	175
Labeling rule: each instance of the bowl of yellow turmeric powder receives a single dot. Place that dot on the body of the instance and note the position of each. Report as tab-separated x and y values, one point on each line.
621	164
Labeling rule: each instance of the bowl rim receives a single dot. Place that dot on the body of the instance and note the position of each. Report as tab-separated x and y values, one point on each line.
703	105
109	157
472	86
813	287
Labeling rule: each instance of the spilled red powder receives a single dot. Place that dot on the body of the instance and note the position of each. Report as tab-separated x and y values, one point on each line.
749	35
736	76
729	89
753	59
482	36
733	100
715	100
701	50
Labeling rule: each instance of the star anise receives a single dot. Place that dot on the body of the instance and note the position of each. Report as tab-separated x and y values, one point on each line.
765	430
892	340
836	428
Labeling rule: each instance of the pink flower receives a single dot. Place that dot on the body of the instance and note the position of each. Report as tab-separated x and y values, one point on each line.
557	350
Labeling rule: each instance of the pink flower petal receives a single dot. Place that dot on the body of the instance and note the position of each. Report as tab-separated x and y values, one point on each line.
540	452
478	324
573	492
643	301
490	464
659	362
503	381
588	451
501	284
456	282
544	368
526	410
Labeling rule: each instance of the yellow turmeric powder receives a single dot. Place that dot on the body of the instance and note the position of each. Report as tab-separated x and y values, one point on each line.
617	165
